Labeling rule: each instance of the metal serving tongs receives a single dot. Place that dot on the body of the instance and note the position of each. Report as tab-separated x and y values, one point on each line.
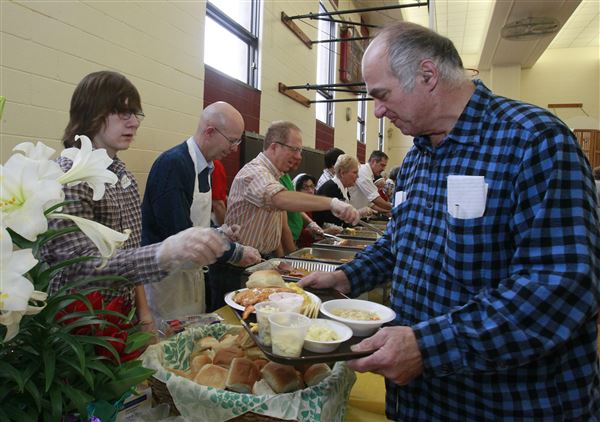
370	227
331	236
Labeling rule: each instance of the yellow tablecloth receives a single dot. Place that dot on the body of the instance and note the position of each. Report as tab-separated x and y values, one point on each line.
367	398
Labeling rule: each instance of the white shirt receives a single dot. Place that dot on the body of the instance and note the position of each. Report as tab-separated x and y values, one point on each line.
327	175
364	191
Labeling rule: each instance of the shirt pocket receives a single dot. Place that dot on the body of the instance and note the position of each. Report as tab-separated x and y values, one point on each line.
477	252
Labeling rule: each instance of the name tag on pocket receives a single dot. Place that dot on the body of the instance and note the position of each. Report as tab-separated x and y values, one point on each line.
467	196
125	181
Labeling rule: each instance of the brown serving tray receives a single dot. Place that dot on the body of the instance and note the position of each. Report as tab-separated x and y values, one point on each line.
353	244
335	256
341	353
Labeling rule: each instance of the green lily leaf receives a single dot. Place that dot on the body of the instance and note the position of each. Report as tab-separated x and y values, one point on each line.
137	340
75	345
56	403
78	398
49	359
98	366
125	382
102	342
35	394
9	372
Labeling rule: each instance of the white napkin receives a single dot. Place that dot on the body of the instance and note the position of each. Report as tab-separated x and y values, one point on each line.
466	196
399	197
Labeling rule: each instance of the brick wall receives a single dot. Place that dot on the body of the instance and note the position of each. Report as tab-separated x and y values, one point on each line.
220	87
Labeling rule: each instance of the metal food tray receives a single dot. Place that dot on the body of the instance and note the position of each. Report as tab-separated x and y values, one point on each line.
353	244
359	233
311	266
337	256
343	352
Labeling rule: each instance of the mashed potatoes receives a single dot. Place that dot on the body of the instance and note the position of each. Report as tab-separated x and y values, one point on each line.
321	333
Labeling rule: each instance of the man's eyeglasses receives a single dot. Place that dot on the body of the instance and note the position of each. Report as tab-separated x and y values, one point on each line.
126	115
233	142
293	149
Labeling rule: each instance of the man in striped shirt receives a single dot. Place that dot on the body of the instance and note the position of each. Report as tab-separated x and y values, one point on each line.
257	202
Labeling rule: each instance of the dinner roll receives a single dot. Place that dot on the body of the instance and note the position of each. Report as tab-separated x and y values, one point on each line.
316	373
223	357
212	376
265	278
281	378
242	375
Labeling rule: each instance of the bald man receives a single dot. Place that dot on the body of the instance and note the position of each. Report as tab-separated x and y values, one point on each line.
178	196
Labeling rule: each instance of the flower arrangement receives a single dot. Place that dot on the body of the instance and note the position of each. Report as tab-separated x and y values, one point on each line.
69	353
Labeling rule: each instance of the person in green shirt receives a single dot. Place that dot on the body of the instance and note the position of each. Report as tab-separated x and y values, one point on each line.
296	221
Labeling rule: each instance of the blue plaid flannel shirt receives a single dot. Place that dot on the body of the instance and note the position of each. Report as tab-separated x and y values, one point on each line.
503	306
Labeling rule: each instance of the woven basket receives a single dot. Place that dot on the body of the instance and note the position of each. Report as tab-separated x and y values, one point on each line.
160	395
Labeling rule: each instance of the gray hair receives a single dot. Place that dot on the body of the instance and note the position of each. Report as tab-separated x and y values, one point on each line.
408	44
345	162
279	131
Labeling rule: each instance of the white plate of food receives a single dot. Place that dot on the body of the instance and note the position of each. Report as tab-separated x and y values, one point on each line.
248	297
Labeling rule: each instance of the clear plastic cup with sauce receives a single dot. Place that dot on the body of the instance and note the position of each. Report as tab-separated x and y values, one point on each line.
288	330
289	302
263	310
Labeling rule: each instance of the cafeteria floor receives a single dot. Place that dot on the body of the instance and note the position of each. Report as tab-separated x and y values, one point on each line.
367	398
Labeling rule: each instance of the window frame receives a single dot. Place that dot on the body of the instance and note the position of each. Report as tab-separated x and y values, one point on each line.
327	94
361	119
250	38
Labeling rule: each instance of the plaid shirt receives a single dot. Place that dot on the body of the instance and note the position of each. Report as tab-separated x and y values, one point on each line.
503	306
119	209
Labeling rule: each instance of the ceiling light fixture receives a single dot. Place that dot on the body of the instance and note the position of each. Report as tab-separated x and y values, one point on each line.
530	28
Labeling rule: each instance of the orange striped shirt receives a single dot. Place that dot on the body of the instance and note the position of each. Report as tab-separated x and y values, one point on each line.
250	205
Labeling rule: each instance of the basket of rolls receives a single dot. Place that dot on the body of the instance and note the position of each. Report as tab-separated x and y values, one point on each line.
216	373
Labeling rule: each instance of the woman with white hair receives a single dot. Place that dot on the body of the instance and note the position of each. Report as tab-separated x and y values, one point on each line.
346	173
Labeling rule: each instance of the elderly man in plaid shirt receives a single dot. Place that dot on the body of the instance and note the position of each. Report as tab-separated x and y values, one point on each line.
496	309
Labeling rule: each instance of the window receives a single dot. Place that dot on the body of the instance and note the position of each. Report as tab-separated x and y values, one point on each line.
325	68
380	139
231	38
361	124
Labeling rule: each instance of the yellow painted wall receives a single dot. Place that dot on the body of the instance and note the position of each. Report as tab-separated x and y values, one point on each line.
566	76
48	46
286	59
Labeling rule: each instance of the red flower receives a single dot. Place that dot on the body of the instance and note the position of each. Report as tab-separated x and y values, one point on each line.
116	305
116	329
95	299
119	346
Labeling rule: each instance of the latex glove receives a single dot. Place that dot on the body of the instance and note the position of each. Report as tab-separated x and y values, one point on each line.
314	229
232	232
250	256
366	212
191	248
344	211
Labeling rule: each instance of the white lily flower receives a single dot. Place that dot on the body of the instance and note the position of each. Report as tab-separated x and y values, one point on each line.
38	151
89	166
15	289
12	319
106	239
27	188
